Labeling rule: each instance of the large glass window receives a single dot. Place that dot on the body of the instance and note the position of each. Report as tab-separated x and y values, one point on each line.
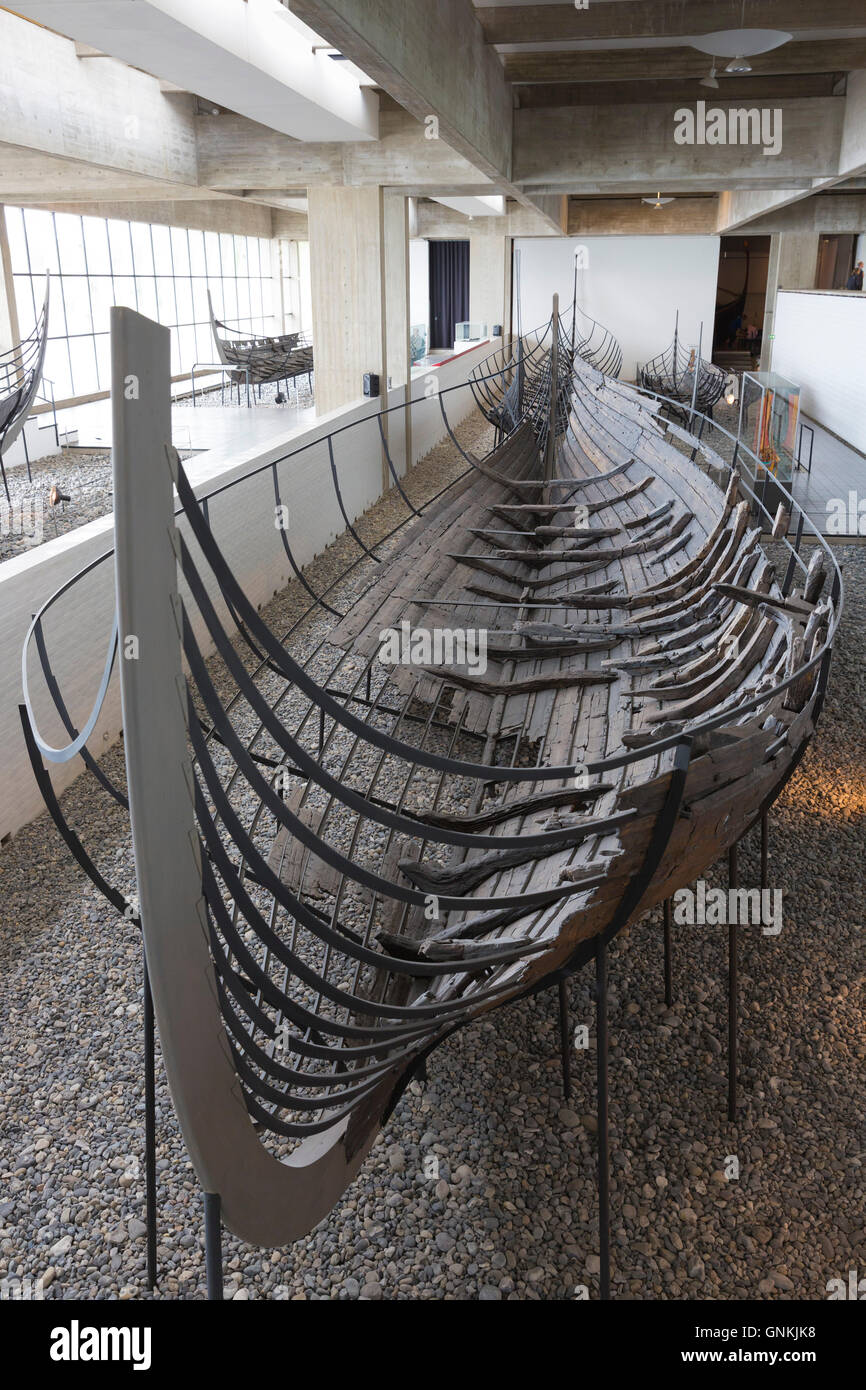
163	272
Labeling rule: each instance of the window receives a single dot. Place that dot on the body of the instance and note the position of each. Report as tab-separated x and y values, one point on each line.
163	272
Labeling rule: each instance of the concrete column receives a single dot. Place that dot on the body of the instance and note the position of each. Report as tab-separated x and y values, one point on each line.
793	258
397	287
347	264
9	329
398	425
490	280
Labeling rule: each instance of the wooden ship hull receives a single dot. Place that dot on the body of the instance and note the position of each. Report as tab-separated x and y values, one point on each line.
281	357
672	374
20	377
391	837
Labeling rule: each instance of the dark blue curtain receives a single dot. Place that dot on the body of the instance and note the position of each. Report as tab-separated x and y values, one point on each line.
449	290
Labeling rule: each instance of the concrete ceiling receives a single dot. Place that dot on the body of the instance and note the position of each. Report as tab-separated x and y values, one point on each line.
566	113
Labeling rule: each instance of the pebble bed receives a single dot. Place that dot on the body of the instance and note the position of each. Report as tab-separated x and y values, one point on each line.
81	475
84	476
483	1185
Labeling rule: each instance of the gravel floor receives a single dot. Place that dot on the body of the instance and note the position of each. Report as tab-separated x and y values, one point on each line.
84	476
508	1208
266	395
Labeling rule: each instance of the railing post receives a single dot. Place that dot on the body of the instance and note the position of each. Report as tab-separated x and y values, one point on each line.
550	450
697	375
159	771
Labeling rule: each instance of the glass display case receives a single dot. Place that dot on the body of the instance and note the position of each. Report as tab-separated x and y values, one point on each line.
769	412
417	341
470	332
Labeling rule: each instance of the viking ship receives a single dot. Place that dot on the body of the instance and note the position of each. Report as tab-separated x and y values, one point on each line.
346	850
20	376
283	357
683	376
594	343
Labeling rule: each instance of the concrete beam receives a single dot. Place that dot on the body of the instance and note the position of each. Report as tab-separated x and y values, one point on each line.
28	176
106	115
750	90
823	214
655	18
473	206
739	210
293	225
224	215
437	223
433	60
638	64
632	148
852	153
243	54
235	154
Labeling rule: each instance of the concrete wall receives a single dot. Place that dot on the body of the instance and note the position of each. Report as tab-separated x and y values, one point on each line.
819	344
243	520
633	286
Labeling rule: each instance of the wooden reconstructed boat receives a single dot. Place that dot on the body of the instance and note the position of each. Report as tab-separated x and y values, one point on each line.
672	374
360	840
20	376
282	357
594	343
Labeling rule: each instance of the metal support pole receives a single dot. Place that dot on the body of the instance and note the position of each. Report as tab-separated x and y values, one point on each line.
697	374
733	991
149	1127
603	1125
669	974
213	1250
764	847
564	1040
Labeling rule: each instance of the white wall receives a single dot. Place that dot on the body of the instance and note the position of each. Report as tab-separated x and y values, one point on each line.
77	629
819	345
419	282
633	286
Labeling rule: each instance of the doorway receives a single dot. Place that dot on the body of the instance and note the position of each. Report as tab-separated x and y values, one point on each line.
741	294
449	291
835	261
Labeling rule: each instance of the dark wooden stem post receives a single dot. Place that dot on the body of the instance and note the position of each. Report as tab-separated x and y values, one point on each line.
149	1127
213	1250
733	992
669	971
564	1040
603	1122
